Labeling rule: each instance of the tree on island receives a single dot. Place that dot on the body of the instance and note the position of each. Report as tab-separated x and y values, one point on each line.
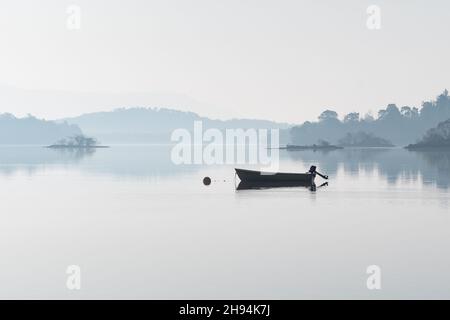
323	143
328	115
435	137
351	117
363	139
77	141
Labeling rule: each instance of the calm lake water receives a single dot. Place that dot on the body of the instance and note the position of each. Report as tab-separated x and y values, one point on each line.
141	227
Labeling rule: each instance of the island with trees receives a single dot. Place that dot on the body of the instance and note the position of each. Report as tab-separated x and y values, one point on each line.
438	137
77	142
398	125
320	145
363	139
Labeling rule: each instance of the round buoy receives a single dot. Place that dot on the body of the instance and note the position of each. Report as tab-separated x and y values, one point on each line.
206	181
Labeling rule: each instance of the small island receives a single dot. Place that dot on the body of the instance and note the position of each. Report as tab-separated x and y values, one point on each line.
77	142
363	139
321	145
435	138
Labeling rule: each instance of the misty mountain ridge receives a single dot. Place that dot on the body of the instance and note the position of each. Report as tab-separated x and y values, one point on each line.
401	126
140	124
30	130
15	98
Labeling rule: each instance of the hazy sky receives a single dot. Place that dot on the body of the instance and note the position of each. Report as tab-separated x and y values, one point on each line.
282	60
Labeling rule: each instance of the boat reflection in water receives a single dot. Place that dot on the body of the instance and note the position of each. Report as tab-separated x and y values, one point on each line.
246	185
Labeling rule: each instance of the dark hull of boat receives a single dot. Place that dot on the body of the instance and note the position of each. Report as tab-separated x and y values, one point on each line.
270	185
259	177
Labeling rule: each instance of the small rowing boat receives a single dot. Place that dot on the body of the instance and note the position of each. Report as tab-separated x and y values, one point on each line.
252	176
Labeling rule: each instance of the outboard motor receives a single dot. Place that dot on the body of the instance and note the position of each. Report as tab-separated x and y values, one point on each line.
313	171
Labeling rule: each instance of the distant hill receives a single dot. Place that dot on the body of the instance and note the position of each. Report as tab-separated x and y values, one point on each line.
438	137
399	125
30	130
147	125
86	102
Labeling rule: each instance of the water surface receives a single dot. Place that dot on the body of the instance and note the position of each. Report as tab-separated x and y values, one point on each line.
140	226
